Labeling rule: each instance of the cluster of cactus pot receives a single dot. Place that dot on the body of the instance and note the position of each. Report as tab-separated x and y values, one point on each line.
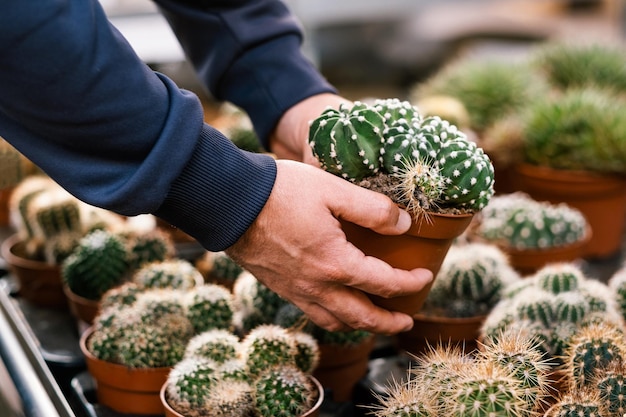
519	222
434	164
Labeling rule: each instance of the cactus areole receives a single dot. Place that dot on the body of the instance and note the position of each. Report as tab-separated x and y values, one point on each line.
424	164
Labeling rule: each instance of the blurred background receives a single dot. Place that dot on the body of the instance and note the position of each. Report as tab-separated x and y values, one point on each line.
380	48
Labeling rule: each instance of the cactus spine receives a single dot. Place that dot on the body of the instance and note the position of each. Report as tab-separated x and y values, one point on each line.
209	306
283	391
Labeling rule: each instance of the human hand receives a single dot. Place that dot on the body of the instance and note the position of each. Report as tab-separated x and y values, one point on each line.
297	248
290	138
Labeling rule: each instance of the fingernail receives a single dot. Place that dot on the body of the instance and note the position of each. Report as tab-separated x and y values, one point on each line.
404	221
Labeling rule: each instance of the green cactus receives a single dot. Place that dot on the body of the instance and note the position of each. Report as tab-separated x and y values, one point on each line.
20	199
170	273
228	398
266	346
404	399
538	308
209	306
218	345
485	389
124	294
611	385
471	281
307	351
517	221
150	246
617	284
578	403
591	349
189	383
347	141
284	391
97	264
254	302
432	163
560	277
221	267
523	356
571	307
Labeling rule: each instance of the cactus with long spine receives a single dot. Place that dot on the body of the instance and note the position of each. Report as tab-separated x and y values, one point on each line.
209	306
218	345
283	391
169	273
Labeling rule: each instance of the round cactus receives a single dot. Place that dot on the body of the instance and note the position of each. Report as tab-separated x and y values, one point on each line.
229	398
209	306
617	284
591	349
284	391
611	385
219	266
97	264
152	246
559	278
189	383
218	345
254	302
393	109
266	346
308	352
124	294
347	141
404	399
577	403
571	307
170	273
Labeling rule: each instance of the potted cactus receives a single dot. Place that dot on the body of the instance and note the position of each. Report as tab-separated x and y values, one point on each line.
218	268
532	233
48	224
471	282
266	374
426	165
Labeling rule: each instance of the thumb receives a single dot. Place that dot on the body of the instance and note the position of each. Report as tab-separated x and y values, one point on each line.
370	209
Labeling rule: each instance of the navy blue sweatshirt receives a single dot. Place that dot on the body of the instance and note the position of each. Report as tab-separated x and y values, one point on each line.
78	102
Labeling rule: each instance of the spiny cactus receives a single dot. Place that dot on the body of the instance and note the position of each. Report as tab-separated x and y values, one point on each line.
404	399
97	264
284	391
170	273
189	383
560	277
150	246
230	398
124	294
434	165
591	349
307	351
470	281
485	389
254	302
266	346
519	222
617	284
209	306
523	356
610	383
347	141
218	345
578	403
219	267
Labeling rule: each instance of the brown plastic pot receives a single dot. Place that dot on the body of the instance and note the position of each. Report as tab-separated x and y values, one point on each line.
425	245
600	197
432	331
123	389
313	412
39	282
342	367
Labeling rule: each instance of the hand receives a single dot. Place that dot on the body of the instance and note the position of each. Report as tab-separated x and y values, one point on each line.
290	138
297	248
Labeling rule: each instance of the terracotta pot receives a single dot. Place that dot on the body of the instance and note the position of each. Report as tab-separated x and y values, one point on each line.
5	195
81	308
313	412
342	367
122	389
432	331
39	282
425	245
600	197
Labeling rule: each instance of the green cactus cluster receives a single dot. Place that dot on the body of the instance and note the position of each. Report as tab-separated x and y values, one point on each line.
580	403
610	382
519	222
470	282
553	304
150	246
123	294
97	264
169	273
254	302
617	285
219	267
264	373
433	164
509	377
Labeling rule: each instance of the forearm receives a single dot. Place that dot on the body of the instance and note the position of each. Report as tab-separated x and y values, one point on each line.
81	105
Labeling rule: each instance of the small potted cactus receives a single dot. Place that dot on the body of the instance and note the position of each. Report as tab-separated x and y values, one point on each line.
426	165
471	282
48	224
265	374
532	233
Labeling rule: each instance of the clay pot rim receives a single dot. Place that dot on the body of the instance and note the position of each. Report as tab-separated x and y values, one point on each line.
440	225
570	175
314	408
12	258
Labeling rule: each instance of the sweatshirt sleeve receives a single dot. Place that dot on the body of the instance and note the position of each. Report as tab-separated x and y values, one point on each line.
78	102
247	52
